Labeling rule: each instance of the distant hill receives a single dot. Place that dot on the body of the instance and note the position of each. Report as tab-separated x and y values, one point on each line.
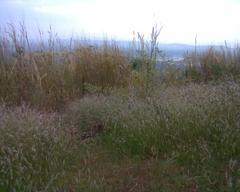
174	50
178	50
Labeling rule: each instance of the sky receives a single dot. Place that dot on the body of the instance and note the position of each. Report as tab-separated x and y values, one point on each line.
210	21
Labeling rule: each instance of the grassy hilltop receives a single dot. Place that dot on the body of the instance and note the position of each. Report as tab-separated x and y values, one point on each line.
84	117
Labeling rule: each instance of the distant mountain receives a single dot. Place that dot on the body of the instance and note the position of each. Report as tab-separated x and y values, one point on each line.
178	50
174	50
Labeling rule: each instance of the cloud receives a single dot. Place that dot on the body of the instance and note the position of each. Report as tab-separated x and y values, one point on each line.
182	20
65	8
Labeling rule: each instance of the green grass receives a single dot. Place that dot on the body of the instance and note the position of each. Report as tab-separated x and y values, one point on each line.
196	126
181	138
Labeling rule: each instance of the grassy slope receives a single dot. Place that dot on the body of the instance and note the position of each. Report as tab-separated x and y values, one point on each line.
182	138
63	129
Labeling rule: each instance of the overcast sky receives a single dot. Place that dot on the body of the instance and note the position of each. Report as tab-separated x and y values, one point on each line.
212	21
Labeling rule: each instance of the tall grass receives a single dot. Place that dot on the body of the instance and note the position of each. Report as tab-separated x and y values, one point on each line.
49	73
145	58
217	63
52	75
152	131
